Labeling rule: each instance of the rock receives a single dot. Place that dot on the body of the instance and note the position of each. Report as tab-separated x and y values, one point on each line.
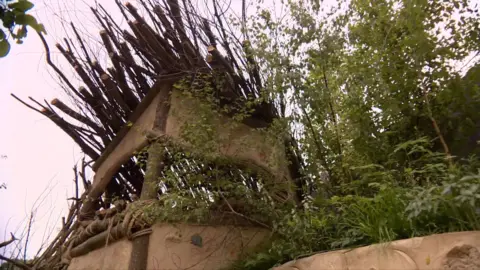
449	251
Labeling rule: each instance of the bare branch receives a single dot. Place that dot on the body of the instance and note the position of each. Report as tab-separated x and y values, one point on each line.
16	263
6	243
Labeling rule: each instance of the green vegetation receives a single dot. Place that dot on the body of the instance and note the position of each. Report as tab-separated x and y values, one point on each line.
15	21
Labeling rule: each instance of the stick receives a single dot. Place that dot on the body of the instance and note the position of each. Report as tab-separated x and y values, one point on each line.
57	70
70	112
6	243
16	263
30	223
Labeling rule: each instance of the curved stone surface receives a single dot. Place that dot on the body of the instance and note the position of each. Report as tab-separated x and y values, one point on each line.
450	251
462	257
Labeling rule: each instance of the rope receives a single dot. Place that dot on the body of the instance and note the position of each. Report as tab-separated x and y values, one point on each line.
109	230
114	227
134	220
141	233
67	257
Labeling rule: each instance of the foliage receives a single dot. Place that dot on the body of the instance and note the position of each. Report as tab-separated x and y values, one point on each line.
352	220
211	189
14	17
8	266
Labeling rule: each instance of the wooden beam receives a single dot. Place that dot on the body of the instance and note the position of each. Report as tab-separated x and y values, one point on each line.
130	138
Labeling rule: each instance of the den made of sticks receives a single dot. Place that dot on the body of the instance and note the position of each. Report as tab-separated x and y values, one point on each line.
176	130
337	139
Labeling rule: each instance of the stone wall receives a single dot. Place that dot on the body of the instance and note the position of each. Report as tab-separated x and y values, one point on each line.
200	247
450	251
236	140
113	256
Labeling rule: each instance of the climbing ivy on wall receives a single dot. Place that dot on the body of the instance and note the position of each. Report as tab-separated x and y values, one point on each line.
199	184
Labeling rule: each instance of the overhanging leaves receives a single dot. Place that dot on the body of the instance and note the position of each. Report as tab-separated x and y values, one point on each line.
21	6
4	47
27	19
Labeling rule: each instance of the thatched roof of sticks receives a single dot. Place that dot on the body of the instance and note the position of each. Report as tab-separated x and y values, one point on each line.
172	40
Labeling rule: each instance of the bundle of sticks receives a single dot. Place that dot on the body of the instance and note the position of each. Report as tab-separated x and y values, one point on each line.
172	38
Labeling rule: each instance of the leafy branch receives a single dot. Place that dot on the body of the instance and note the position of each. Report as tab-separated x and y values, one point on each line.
15	20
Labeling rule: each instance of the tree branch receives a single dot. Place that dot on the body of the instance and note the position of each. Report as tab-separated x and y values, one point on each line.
6	243
17	264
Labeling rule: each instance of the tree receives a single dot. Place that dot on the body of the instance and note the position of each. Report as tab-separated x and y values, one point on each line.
367	76
15	20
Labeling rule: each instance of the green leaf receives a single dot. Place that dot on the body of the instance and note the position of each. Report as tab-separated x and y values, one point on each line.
21	33
26	19
41	28
8	19
4	48
21	6
2	34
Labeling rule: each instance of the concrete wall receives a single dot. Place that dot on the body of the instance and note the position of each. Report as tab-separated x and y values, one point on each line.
113	256
232	139
178	247
450	251
132	141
